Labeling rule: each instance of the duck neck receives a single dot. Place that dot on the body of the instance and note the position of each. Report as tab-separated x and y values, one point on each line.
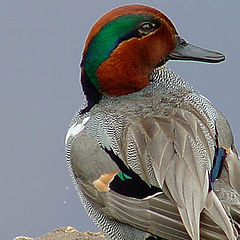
168	83
92	94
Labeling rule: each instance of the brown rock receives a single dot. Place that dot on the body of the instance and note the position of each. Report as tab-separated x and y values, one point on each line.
66	233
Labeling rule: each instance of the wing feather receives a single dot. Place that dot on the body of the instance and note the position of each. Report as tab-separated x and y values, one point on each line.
233	167
217	213
158	215
173	146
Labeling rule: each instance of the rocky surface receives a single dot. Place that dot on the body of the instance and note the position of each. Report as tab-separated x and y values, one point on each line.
66	233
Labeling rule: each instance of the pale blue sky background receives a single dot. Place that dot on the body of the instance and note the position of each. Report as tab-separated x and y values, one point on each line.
40	49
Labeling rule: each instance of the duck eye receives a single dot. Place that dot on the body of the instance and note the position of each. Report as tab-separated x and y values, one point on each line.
146	28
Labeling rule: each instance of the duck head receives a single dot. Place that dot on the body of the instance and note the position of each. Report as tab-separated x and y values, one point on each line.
126	44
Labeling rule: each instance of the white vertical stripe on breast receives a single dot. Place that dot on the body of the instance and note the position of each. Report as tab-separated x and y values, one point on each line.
76	129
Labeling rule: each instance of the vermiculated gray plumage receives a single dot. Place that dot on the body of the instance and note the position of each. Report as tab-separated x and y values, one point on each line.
168	134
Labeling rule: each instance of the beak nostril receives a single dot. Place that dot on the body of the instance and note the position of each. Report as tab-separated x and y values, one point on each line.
182	42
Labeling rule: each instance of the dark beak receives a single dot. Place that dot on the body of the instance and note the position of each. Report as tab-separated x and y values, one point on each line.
188	52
